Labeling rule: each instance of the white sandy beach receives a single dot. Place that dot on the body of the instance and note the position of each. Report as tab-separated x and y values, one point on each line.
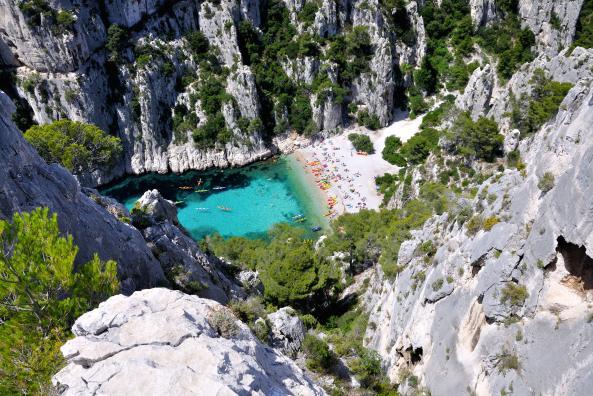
351	177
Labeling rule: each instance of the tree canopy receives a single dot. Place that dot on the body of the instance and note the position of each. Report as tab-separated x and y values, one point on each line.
477	139
40	297
79	147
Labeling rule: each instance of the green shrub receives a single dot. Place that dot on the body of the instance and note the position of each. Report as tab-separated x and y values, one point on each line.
213	131
547	95
371	121
476	139
416	103
307	13
416	149
387	185
197	42
391	153
490	222
319	356
555	21
507	361
261	330
437	284
546	182
514	294
65	19
241	252
117	40
291	271
309	321
301	113
77	146
474	224
41	297
367	367
361	143
507	6
224	322
248	310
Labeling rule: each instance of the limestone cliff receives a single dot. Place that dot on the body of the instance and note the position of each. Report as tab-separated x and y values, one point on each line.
27	182
504	308
156	253
135	83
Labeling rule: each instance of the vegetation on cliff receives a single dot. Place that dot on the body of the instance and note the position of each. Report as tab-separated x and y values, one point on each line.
79	147
40	297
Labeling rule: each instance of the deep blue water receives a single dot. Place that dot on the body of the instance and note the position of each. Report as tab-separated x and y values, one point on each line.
257	196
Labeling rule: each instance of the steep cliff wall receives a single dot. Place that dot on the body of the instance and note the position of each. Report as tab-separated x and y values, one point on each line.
140	84
158	253
27	182
505	309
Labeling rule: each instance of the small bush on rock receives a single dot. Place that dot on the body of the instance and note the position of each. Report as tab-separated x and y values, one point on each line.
546	182
507	361
514	294
224	322
490	222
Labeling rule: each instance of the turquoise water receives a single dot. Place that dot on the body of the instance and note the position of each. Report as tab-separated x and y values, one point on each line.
258	197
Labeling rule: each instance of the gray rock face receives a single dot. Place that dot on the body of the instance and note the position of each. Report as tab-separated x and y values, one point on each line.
483	12
537	15
160	341
27	182
506	308
478	92
43	48
184	264
288	330
155	205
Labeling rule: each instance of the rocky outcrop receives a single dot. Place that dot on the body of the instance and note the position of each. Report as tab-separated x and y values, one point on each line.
483	12
288	330
505	308
160	341
485	95
552	22
27	182
153	204
478	92
184	264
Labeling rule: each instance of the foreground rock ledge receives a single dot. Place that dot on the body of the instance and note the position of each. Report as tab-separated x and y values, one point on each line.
164	342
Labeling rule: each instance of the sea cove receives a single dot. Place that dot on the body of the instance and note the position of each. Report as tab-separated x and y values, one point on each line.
245	201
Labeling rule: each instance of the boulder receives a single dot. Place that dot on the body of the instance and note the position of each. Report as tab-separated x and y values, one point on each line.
160	341
288	330
153	204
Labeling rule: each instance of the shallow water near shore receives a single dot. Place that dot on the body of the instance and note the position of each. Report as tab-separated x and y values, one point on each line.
244	202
